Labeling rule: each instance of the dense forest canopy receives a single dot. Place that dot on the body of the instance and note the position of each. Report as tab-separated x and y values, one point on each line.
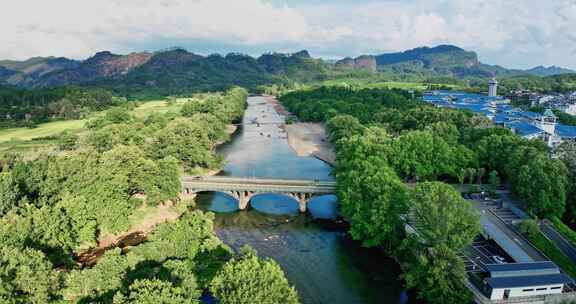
60	204
385	138
28	107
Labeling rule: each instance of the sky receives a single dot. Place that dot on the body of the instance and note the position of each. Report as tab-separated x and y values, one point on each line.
511	33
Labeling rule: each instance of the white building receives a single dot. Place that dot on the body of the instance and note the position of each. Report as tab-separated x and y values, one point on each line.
506	281
569	109
493	87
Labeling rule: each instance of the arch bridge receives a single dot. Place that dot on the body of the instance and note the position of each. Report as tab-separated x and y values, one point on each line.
244	188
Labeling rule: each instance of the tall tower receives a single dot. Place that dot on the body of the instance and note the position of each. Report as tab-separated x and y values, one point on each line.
547	122
493	87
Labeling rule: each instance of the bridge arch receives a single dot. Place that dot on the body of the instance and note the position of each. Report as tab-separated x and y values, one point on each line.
218	201
243	189
325	206
275	203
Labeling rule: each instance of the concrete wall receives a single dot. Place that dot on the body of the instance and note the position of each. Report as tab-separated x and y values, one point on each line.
498	294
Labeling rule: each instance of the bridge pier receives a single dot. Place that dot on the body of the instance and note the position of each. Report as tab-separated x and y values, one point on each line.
187	194
243	198
303	199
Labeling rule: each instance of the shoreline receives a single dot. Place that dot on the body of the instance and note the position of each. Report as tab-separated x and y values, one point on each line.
304	138
162	213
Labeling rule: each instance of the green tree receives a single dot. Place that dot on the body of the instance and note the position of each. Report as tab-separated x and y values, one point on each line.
442	216
247	279
102	279
153	292
541	182
445	225
494	181
372	198
438	274
529	227
343	126
118	115
67	141
566	152
26	276
9	192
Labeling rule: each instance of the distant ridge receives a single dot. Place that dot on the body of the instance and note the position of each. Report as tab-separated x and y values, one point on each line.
549	71
447	60
175	70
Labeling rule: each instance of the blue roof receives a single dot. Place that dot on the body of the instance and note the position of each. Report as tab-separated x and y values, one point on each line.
501	118
521	266
523	128
529	281
565	131
532	115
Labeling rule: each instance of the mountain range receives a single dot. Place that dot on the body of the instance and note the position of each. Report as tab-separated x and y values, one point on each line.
443	60
176	70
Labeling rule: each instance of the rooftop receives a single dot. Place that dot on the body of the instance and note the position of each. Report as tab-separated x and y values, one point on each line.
529	281
521	266
524	128
565	131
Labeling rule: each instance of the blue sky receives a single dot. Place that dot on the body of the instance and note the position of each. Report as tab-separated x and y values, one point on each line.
511	33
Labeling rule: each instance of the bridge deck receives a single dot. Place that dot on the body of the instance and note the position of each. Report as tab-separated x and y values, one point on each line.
258	184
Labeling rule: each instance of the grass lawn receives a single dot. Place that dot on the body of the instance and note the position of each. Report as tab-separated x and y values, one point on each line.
417	86
43	130
27	139
552	252
158	106
568	233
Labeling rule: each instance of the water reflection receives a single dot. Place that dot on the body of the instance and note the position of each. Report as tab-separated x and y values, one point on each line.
218	202
274	204
324	207
324	264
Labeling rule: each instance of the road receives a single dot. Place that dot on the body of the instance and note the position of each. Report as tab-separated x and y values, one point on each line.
564	245
514	244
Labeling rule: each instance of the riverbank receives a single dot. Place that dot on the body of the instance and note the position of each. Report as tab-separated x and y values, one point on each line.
306	139
145	220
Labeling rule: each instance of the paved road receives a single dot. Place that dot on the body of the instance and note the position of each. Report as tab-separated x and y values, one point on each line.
559	241
514	244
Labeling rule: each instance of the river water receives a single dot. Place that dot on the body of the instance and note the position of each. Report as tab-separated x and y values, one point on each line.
321	261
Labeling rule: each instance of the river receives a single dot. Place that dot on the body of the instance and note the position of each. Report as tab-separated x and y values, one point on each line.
321	261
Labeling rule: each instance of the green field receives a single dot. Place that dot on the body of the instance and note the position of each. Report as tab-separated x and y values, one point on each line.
33	139
42	130
158	106
368	84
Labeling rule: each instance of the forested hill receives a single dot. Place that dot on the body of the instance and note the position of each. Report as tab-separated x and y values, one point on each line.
444	60
177	71
173	71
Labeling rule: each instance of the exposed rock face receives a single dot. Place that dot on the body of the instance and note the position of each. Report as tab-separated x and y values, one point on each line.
101	65
346	63
364	62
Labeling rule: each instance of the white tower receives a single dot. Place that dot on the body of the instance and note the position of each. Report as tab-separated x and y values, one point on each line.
547	122
493	87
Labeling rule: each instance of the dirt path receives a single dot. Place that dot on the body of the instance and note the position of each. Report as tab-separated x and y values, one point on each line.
159	215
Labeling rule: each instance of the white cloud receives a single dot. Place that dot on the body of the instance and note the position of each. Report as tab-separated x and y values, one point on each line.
507	32
78	27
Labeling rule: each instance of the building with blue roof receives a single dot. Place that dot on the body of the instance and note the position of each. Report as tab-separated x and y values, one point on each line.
527	124
507	281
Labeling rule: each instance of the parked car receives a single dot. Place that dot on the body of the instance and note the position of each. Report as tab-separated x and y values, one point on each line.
498	259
